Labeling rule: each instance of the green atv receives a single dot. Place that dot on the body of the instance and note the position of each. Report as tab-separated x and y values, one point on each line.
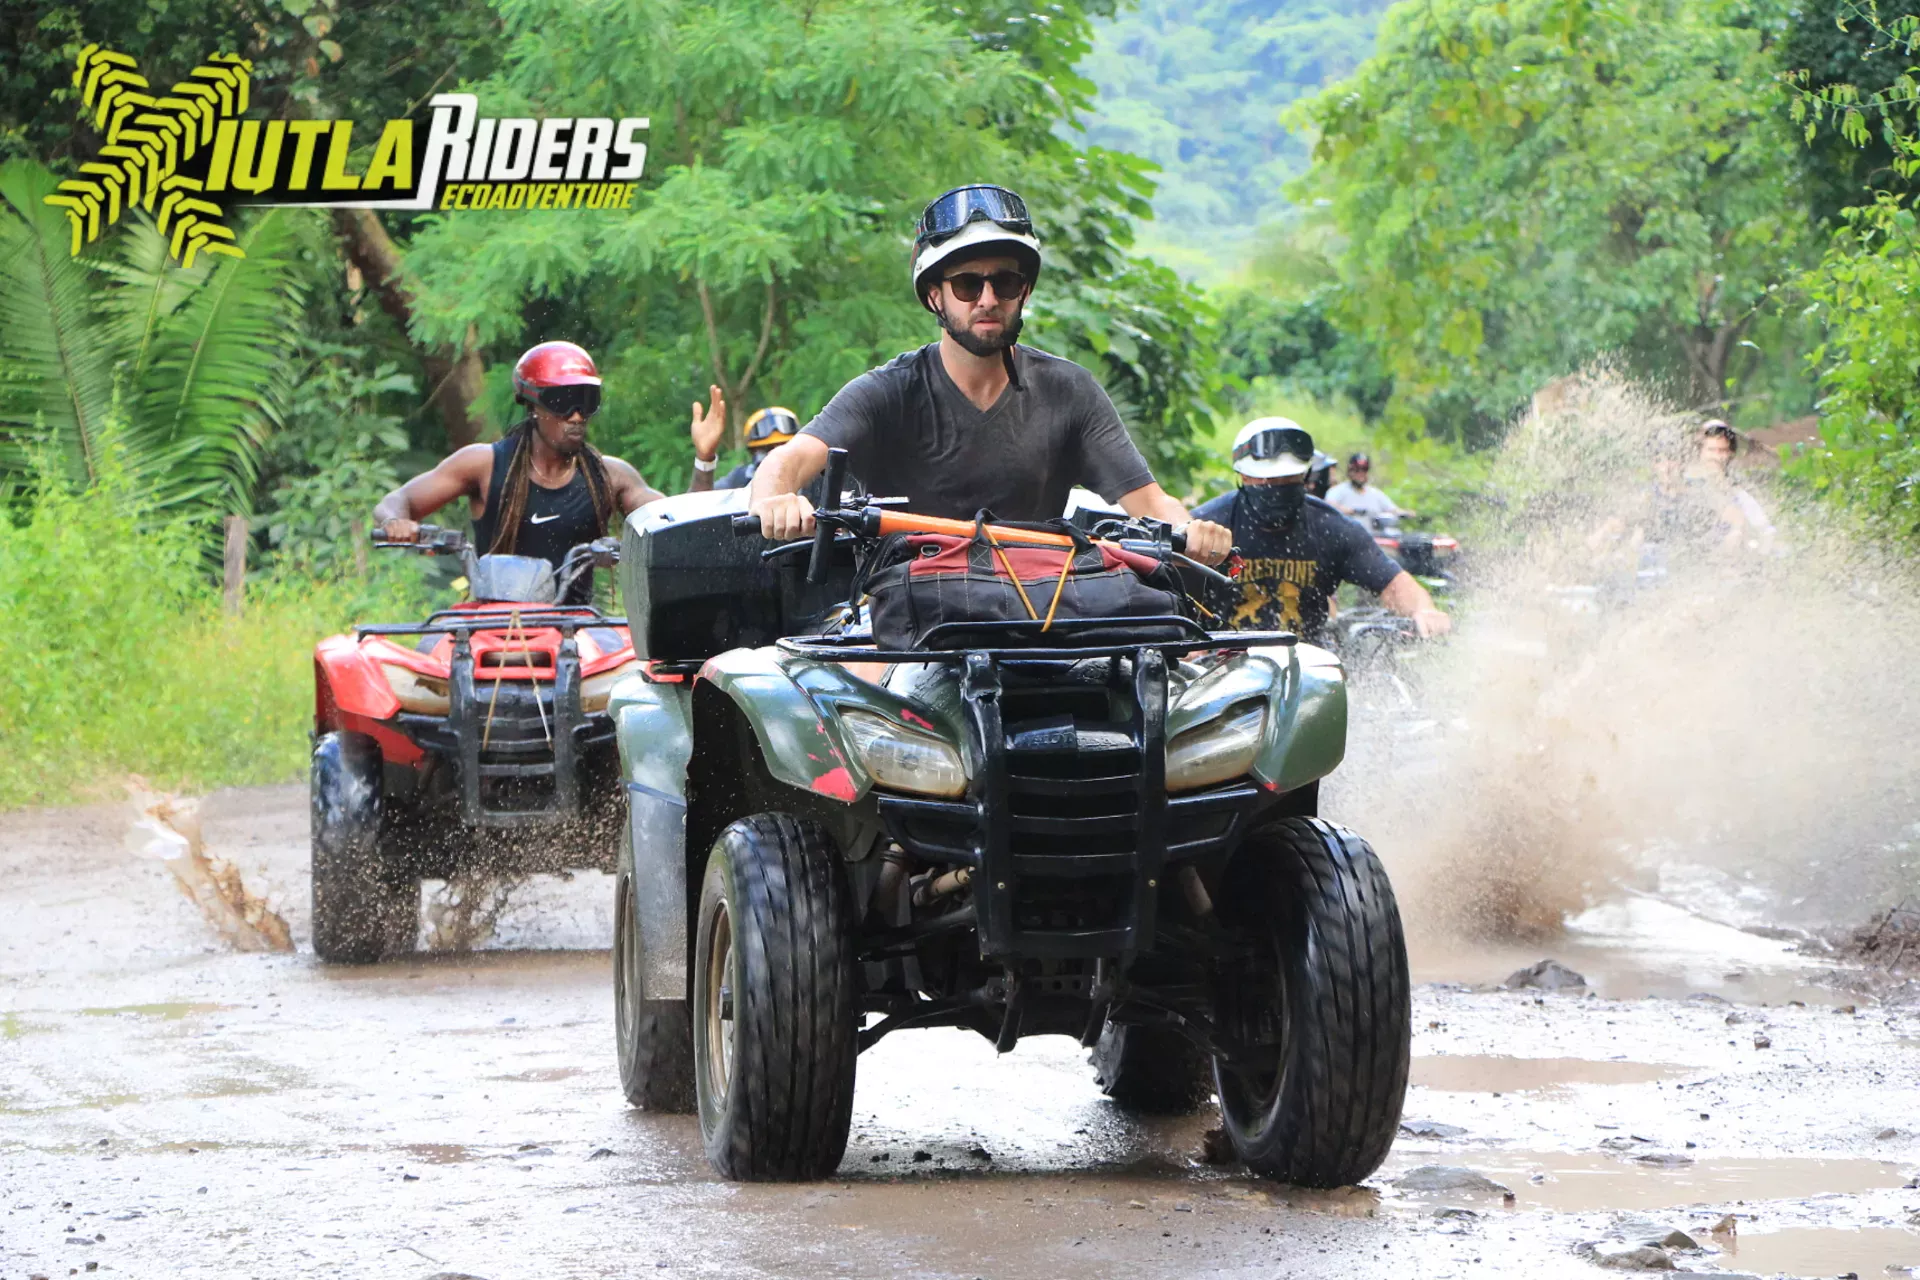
1115	841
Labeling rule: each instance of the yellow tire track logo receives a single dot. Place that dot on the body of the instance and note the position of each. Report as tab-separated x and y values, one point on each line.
148	138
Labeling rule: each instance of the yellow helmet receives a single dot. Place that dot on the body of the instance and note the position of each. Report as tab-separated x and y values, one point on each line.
772	426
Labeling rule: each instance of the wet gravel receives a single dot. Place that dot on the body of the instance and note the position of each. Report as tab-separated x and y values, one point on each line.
168	1108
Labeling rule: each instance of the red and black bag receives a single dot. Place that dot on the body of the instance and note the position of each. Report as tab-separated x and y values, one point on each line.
916	582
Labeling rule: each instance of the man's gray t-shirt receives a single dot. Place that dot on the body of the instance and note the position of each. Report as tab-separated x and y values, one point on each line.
910	432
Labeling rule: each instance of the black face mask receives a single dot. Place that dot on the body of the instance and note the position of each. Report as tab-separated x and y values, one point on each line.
1273	504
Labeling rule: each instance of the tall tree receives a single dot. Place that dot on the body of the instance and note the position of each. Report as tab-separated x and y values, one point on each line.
1529	184
792	145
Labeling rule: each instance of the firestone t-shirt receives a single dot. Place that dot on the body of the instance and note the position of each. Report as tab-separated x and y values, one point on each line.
1288	573
910	432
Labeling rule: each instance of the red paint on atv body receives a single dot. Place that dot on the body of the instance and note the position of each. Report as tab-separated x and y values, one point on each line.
351	692
836	784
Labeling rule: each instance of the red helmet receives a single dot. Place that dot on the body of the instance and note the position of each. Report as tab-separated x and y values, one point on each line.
552	364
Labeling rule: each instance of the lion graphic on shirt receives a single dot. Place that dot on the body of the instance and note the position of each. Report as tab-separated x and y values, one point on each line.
1270	594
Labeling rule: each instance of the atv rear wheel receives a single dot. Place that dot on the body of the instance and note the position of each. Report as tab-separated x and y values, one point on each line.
1329	999
364	909
655	1038
774	1030
1152	1070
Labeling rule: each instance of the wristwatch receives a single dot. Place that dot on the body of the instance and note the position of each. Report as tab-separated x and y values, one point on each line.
705	464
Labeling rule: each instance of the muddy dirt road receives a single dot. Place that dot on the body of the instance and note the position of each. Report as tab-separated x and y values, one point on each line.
171	1109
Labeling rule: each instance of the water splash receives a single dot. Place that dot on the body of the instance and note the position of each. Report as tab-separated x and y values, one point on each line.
1641	680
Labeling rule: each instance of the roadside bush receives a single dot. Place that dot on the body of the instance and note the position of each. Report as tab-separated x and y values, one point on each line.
121	660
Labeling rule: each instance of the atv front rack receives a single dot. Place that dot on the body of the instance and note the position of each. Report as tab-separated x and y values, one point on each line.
468	714
1198	639
1063	810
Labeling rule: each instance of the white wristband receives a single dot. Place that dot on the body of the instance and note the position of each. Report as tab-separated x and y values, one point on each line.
705	464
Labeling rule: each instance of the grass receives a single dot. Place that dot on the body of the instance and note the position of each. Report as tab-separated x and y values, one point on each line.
121	661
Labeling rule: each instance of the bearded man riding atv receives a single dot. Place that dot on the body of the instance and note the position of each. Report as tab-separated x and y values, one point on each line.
965	773
974	421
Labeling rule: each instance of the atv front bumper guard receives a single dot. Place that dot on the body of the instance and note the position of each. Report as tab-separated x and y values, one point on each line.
463	733
986	831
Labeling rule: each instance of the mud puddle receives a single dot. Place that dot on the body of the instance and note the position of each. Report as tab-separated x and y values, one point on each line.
1639	946
1574	1182
1870	1253
1492	1073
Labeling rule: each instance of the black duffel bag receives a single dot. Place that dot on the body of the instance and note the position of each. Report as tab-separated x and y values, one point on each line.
1092	593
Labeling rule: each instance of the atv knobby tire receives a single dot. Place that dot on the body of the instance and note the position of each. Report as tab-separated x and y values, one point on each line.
1151	1070
774	1028
364	908
1331	986
655	1038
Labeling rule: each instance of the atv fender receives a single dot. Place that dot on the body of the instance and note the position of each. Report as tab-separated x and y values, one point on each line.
655	736
795	742
1307	732
350	694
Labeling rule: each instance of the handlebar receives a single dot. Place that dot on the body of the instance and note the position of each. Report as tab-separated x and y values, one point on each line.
429	540
867	518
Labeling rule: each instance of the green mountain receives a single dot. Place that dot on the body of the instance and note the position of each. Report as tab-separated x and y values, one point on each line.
1198	87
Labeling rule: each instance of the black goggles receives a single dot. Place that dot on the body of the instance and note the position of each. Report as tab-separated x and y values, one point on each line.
582	398
1280	442
769	423
949	213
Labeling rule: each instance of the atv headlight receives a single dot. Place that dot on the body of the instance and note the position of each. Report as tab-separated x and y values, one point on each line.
426	695
595	690
1220	749
895	756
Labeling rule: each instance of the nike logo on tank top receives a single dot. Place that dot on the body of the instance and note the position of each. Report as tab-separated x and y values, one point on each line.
555	520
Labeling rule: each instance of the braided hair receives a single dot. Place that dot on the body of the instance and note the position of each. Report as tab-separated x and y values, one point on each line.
513	503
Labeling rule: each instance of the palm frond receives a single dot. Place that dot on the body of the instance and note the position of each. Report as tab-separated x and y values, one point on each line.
151	287
54	349
216	378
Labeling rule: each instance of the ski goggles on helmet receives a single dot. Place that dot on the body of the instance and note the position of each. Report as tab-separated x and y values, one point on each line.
1275	443
582	398
769	427
947	214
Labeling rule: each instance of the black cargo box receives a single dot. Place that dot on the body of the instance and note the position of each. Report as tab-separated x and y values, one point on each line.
692	588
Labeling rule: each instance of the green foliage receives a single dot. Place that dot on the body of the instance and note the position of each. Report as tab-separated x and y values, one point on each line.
1198	89
333	461
1523	186
1850	66
194	358
123	661
767	249
368	59
1299	345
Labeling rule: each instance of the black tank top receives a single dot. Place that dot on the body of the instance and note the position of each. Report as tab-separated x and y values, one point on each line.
554	521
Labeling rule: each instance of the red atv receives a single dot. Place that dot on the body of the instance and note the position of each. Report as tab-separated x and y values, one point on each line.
479	737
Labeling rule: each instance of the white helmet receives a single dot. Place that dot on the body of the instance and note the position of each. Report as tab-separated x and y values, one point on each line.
1270	448
972	222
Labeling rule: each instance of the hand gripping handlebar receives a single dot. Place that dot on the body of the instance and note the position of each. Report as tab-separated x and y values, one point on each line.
867	518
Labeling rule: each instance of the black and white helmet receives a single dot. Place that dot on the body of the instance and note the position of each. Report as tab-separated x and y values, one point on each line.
972	222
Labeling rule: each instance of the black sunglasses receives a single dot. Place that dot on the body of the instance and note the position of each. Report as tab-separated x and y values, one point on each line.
582	398
966	285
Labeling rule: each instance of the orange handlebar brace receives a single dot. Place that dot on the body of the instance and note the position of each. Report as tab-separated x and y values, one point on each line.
907	522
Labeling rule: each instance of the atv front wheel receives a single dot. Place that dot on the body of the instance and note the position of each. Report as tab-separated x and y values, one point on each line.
1155	1071
363	909
655	1038
774	1030
1324	1016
